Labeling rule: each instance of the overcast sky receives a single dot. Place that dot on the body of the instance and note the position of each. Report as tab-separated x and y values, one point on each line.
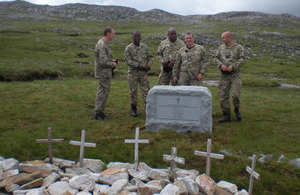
193	7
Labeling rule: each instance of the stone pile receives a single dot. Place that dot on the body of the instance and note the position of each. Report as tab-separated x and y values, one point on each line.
64	177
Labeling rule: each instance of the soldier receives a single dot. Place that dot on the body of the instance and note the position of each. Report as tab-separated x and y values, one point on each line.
139	60
191	63
166	56
229	59
104	64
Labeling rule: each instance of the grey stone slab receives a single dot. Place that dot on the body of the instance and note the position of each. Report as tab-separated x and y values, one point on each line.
186	109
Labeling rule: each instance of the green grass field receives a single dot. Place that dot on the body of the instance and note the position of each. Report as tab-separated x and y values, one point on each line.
61	91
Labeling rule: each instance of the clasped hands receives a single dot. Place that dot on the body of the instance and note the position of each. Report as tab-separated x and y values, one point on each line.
169	63
143	68
225	68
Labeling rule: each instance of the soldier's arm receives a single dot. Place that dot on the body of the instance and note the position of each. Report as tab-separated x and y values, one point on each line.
241	58
173	60
128	58
149	57
205	62
102	58
217	60
176	67
159	54
163	57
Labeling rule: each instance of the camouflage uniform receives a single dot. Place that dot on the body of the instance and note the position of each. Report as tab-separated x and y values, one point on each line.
230	56
189	64
133	56
103	72
167	51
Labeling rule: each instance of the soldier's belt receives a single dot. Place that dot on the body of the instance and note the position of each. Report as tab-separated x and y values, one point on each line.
226	72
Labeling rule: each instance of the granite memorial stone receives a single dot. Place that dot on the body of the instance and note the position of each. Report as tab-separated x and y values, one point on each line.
182	108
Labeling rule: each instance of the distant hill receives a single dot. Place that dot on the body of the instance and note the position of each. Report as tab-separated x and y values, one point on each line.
22	10
27	11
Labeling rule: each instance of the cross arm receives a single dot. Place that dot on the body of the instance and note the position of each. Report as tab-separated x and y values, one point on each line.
49	141
87	144
140	141
212	155
253	173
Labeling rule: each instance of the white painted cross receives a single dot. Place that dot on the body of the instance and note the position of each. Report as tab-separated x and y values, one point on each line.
82	144
252	174
173	159
208	155
50	142
136	143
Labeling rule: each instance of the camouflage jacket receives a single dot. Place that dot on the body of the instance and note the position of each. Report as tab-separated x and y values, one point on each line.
167	50
233	55
135	55
193	60
103	59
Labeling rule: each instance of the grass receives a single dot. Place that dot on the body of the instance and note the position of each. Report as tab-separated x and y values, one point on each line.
61	95
270	126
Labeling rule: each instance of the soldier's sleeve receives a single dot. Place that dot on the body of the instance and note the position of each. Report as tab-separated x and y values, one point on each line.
205	62
177	65
159	54
217	60
163	53
128	58
241	58
101	56
149	57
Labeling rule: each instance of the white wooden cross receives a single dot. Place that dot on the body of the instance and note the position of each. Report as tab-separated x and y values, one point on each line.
252	174
173	159
50	142
136	143
208	155
82	144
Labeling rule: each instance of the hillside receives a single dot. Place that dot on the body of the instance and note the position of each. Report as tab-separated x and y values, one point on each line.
22	10
267	37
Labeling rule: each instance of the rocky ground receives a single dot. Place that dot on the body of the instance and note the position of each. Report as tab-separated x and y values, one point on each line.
258	43
64	177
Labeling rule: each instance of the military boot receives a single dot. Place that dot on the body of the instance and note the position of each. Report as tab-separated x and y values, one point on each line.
100	116
238	114
225	119
134	110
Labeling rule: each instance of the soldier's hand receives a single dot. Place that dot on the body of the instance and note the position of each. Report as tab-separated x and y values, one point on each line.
223	67
230	69
199	77
115	64
171	64
165	63
175	80
147	68
140	67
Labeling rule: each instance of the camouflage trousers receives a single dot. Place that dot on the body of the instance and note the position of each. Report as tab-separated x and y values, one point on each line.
102	94
134	79
226	82
185	79
165	78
